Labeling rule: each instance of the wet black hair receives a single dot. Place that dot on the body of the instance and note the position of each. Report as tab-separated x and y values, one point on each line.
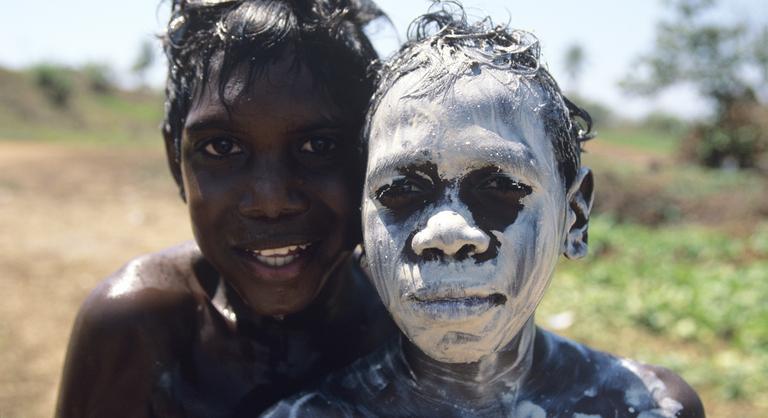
447	47
325	36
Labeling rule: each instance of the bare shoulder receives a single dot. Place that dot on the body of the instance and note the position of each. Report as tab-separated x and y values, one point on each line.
169	270
670	395
601	384
131	323
150	292
679	390
652	391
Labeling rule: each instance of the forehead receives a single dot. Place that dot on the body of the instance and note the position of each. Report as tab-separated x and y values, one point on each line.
284	89
492	118
286	75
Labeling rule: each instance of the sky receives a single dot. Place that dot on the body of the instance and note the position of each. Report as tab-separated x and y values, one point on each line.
612	33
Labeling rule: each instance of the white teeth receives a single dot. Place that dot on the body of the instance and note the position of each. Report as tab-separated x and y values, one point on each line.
276	257
276	261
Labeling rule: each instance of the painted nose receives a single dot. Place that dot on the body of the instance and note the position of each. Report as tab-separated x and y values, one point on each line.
449	233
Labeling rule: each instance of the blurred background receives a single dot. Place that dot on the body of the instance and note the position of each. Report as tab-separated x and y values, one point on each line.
678	270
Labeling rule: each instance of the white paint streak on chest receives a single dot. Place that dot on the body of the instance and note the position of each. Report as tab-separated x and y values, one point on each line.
528	409
668	407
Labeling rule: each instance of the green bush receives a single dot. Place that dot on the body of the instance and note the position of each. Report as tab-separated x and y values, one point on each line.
55	82
99	77
738	139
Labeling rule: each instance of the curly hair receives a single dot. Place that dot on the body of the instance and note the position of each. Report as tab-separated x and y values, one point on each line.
446	47
326	36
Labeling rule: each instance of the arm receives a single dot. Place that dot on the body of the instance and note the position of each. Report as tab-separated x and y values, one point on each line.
679	390
127	332
108	367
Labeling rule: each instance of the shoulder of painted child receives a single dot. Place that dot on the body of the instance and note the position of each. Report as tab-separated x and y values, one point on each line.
681	391
657	390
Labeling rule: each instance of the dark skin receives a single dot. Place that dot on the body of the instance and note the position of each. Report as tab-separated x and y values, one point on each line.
269	298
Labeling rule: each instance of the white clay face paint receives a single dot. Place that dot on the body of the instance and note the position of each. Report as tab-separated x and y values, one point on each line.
481	123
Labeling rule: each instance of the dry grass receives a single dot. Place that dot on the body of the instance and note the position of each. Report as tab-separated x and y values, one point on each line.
69	216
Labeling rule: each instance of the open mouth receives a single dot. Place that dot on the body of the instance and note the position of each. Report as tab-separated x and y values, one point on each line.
279	258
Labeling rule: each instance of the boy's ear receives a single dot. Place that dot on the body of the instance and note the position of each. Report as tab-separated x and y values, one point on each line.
173	158
580	197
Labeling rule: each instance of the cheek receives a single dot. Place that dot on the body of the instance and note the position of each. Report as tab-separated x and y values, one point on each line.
335	202
211	201
383	251
530	248
205	186
334	191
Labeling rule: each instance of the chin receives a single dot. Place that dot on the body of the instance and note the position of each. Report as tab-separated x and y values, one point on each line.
271	300
465	341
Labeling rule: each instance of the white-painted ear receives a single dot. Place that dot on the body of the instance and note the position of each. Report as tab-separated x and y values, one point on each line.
580	197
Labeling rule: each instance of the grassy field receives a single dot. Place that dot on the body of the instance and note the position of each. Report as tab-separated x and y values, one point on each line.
685	297
676	275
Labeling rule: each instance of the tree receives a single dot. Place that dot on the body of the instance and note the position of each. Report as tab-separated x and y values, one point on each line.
575	58
727	63
144	60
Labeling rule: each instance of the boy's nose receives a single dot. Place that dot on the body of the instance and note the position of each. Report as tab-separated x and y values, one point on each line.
449	233
274	193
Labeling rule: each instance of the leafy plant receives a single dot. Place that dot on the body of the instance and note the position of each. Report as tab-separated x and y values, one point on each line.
55	82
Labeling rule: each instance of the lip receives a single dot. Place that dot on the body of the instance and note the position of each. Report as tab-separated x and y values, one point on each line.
283	265
456	308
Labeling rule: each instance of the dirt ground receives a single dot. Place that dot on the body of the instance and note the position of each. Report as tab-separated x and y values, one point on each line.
69	216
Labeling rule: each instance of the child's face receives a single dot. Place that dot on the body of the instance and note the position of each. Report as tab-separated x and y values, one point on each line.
270	185
464	213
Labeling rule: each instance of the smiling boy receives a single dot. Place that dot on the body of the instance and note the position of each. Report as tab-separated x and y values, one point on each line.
474	188
265	100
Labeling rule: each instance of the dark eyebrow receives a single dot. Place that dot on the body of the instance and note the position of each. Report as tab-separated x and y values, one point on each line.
319	125
207	124
502	158
395	163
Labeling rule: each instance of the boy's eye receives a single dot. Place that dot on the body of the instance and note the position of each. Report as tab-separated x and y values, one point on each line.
221	147
318	145
401	194
504	186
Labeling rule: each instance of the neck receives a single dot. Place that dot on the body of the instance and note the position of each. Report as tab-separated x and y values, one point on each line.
494	376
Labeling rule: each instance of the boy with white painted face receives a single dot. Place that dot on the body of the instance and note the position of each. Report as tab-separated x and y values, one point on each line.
474	188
